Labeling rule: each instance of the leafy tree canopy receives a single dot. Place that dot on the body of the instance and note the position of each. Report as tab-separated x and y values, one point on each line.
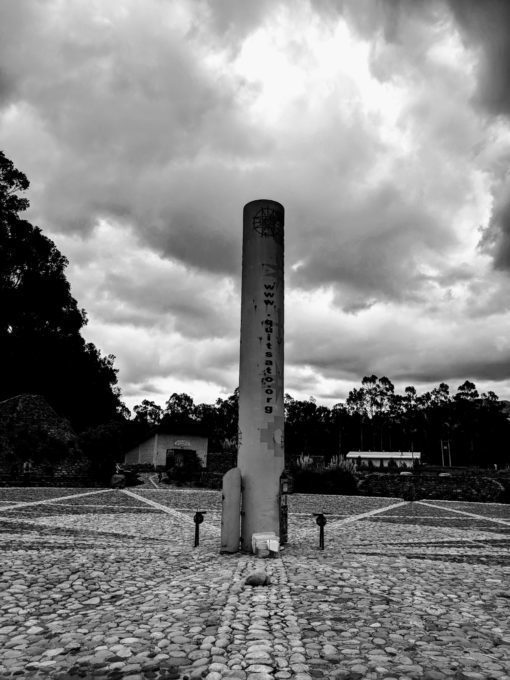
148	413
41	349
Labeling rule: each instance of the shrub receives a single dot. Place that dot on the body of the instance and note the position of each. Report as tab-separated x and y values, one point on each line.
341	463
336	481
409	492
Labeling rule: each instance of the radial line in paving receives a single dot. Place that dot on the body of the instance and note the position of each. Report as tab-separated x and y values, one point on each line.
47	501
355	518
469	514
259	628
170	511
371	513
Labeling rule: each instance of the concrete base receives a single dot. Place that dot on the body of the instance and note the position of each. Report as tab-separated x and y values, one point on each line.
265	544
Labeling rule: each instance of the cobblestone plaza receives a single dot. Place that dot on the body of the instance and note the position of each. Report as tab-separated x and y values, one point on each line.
107	584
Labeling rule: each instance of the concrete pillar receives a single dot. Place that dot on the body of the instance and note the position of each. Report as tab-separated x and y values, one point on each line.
261	453
230	511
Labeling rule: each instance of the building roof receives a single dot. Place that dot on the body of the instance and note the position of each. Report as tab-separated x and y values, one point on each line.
396	455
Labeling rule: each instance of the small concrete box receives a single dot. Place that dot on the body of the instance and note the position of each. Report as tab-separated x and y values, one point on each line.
263	544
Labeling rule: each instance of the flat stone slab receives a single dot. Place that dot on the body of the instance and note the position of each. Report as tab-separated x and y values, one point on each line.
103	584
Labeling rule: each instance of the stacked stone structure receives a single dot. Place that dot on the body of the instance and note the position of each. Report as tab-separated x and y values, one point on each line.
37	445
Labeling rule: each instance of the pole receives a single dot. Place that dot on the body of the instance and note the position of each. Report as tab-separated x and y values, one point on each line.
198	519
321	521
260	443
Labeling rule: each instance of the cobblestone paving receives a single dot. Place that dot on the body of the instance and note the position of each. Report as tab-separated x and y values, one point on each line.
109	585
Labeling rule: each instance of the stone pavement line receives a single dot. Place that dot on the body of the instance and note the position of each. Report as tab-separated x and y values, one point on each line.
469	514
353	518
169	511
51	500
259	635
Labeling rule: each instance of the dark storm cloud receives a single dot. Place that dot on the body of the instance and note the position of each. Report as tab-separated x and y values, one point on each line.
486	23
485	29
487	26
166	302
128	103
234	20
128	285
209	362
136	116
6	87
448	366
407	343
375	247
485	368
496	238
149	136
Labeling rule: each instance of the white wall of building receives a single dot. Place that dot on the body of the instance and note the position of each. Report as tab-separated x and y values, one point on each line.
153	450
401	458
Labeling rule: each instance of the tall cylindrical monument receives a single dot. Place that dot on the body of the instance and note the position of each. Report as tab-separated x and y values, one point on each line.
260	444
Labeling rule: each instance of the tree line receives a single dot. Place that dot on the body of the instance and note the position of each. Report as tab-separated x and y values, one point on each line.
41	347
464	429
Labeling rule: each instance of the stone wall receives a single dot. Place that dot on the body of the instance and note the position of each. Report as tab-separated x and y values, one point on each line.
72	472
31	432
31	411
468	487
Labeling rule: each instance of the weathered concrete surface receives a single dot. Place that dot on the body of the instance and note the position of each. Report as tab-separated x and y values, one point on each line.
261	410
231	511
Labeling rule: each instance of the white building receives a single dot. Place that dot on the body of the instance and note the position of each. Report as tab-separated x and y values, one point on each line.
165	449
401	458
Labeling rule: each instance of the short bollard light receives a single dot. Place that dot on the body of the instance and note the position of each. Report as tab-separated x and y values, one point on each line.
321	521
198	519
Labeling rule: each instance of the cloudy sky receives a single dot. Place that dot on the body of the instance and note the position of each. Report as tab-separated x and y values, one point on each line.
382	126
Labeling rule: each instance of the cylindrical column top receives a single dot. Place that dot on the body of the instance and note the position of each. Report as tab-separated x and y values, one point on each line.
262	201
264	218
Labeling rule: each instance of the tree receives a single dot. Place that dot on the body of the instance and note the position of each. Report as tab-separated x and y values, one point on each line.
179	412
467	392
35	295
228	420
41	349
440	396
148	413
372	404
